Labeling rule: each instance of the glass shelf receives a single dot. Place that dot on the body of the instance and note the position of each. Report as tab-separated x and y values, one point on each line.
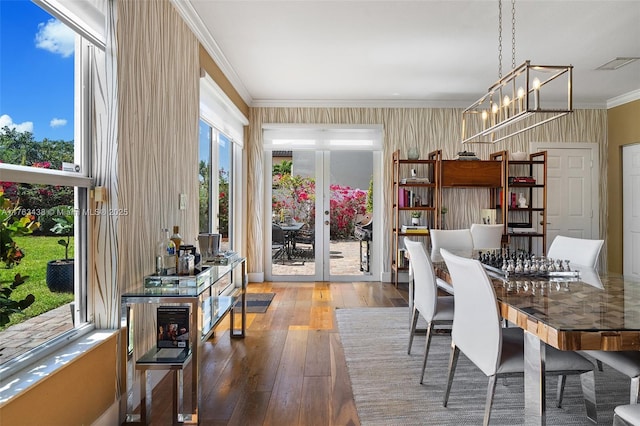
177	357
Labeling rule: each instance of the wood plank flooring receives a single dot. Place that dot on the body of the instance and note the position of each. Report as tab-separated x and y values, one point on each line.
290	367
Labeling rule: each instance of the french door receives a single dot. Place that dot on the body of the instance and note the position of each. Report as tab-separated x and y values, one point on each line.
315	201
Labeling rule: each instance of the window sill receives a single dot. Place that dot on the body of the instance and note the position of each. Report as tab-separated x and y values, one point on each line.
22	380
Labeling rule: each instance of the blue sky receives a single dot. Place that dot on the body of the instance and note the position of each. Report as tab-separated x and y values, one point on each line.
36	71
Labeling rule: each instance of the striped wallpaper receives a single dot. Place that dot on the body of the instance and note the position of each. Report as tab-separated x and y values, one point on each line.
157	140
428	129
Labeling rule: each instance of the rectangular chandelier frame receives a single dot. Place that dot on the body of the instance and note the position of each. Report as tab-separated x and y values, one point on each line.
507	102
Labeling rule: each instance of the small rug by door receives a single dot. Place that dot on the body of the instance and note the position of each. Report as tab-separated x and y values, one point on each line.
257	303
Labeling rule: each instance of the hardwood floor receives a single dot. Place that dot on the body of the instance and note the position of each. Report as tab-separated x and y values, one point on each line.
290	367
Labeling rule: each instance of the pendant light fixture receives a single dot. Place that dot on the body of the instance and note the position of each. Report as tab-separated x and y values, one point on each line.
537	93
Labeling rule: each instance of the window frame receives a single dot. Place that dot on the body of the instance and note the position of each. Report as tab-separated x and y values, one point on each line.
82	182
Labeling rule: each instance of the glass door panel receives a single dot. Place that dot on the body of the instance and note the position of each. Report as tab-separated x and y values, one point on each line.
350	189
293	215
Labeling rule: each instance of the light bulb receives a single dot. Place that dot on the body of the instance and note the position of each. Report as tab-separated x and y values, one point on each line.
536	93
505	102
520	99
536	83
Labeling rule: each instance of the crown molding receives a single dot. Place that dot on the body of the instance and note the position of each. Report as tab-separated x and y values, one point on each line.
365	103
623	99
379	103
193	21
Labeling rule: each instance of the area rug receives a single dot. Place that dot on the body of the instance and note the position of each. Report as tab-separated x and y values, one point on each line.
387	390
257	303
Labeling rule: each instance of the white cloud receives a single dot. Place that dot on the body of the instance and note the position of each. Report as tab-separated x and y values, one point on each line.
55	37
5	120
58	122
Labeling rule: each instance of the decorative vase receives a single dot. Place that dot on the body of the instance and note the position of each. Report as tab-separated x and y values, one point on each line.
415	221
522	201
413	153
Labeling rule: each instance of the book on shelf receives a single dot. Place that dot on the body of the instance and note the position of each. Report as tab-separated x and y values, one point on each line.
408	198
173	326
522	179
401	259
414	229
414	179
516	230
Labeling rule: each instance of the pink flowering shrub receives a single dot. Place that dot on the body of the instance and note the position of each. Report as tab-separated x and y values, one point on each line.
296	196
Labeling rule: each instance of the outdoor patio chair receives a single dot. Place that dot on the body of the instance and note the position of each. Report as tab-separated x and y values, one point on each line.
278	243
306	236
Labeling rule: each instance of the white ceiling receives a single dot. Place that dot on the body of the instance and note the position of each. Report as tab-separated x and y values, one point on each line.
413	53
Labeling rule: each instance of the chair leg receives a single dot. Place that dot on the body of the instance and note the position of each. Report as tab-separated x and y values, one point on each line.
588	382
491	389
562	380
635	389
426	350
412	329
453	361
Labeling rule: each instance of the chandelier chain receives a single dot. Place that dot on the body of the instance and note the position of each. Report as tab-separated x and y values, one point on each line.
513	34
499	38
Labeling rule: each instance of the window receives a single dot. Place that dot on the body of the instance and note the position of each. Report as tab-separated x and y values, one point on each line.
216	184
221	144
43	215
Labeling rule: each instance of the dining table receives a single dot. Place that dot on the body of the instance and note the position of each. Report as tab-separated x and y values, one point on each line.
589	311
290	230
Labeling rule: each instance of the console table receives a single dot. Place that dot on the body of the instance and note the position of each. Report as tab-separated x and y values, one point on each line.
207	309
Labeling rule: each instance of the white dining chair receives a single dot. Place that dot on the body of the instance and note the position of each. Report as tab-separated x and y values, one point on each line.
457	241
486	237
426	302
579	251
627	415
582	251
495	350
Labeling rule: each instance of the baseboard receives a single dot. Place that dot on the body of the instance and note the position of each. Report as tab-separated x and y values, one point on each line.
256	277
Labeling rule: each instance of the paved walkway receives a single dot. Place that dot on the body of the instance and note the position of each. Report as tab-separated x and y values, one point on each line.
345	260
25	336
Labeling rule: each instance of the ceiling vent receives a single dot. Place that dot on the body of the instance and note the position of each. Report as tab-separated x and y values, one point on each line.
616	63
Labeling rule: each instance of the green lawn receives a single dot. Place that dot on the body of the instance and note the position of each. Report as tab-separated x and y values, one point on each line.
38	251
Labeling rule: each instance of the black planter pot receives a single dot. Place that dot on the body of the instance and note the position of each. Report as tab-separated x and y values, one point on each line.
60	277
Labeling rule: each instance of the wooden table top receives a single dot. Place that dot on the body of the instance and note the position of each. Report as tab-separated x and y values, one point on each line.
600	311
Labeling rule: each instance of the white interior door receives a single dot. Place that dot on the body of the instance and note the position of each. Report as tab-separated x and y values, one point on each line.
572	192
631	210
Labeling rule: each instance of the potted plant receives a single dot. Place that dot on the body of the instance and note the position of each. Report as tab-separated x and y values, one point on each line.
60	275
415	218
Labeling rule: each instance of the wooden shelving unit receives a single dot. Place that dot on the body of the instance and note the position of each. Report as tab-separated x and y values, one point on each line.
448	175
424	201
534	215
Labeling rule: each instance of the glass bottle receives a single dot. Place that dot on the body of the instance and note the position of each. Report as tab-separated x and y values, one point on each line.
176	238
177	241
169	253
